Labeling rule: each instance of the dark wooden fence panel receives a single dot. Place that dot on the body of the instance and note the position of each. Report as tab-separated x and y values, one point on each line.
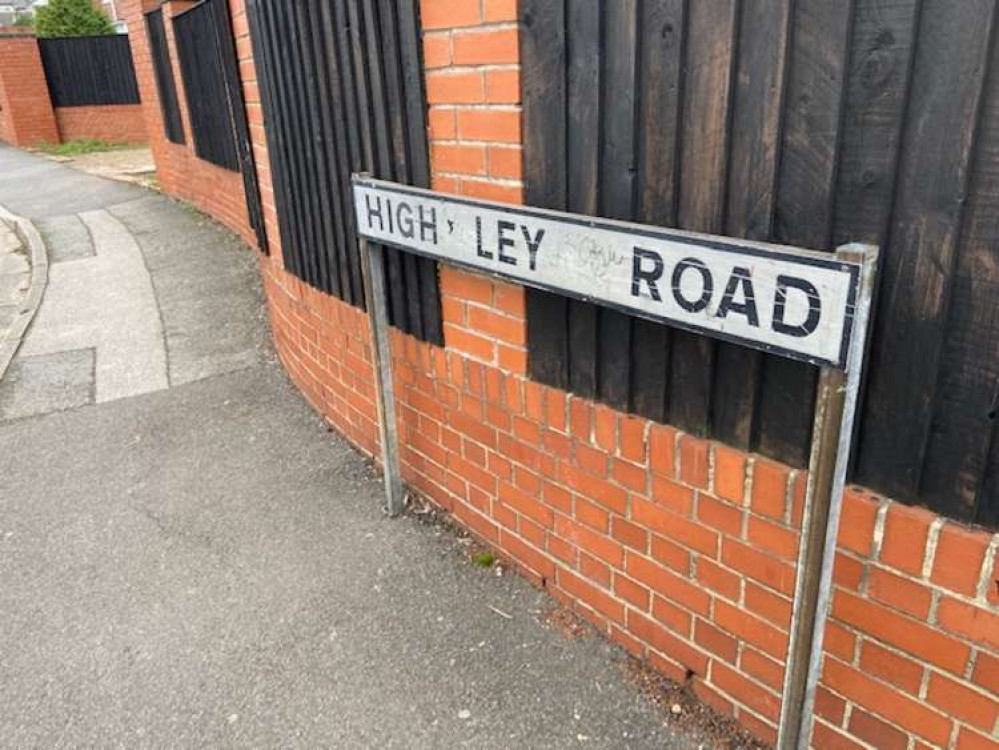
166	86
809	123
342	90
205	88
89	70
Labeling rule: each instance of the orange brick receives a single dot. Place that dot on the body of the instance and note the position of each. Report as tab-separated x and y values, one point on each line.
448	14
455	87
632	592
769	489
499	327
906	530
688	533
902	632
719	515
891	667
730	473
719	579
485	47
503	86
509	298
711	639
496	125
971	740
591	595
662	446
672	495
694	461
759	566
899	592
986	673
974	623
667	583
443	123
459	158
436	50
465	285
876	732
629	534
856	527
469	343
499	10
492	191
960	553
766	637
887	702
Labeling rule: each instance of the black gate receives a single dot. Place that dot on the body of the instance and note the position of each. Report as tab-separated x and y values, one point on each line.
342	90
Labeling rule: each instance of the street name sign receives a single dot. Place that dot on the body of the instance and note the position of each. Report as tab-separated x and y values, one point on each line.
797	303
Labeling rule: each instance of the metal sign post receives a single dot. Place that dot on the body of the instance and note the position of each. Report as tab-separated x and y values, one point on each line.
805	305
832	437
373	268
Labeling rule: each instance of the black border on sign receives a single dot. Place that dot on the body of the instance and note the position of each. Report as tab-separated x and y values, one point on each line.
781	252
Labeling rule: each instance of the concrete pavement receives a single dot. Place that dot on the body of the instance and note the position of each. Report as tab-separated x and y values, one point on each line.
189	558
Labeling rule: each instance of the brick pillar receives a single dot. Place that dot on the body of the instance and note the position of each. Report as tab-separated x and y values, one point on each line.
26	115
471	52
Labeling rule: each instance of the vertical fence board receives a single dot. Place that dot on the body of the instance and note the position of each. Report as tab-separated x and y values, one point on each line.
617	184
583	113
756	122
919	260
804	205
661	30
543	82
166	86
709	56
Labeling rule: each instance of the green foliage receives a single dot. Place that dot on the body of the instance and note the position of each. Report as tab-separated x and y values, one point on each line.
25	22
484	560
80	147
71	18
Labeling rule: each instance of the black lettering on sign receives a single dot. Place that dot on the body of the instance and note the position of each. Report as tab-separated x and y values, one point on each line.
707	285
533	244
811	322
406	225
740	281
374	212
502	241
479	250
650	276
428	224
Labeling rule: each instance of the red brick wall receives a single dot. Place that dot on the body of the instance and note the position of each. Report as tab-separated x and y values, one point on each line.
123	123
679	549
26	116
214	190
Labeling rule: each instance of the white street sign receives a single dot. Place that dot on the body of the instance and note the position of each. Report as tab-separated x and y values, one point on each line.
797	303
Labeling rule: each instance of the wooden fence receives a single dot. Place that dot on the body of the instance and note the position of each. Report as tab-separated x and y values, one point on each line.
811	123
342	90
204	85
166	86
89	71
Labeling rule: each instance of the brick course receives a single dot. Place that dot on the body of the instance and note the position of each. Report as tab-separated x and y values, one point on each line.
123	123
679	549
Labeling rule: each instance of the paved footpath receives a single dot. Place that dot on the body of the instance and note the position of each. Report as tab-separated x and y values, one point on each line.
188	558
